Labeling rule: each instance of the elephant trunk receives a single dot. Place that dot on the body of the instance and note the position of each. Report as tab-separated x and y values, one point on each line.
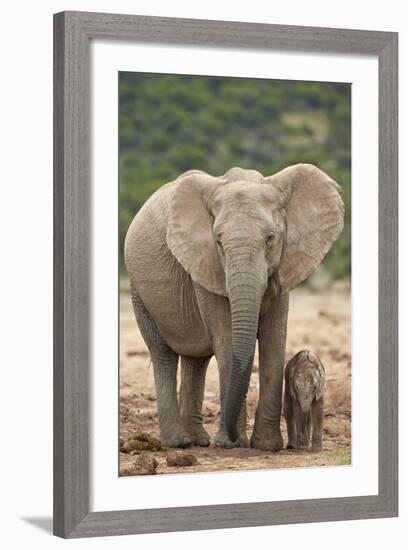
245	294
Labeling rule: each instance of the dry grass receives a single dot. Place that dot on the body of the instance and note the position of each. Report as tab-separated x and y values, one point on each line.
319	321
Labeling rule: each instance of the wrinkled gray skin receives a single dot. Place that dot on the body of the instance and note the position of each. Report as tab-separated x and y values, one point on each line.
211	261
304	400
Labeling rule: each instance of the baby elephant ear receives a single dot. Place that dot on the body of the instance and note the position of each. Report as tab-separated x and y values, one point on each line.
314	219
290	379
189	231
321	382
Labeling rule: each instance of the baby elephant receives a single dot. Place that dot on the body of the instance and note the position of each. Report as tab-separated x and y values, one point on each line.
303	400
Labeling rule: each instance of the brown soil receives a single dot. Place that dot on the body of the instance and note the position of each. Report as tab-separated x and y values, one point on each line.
319	321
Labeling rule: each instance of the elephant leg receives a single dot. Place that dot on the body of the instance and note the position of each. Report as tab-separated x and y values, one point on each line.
272	344
165	360
290	422
193	371
317	424
308	429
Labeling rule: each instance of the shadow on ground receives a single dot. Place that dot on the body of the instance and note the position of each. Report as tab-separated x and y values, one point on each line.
43	523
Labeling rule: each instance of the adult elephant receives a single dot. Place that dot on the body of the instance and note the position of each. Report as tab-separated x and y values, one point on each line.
211	261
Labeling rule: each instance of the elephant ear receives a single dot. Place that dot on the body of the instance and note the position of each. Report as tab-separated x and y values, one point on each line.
290	379
189	231
314	219
321	382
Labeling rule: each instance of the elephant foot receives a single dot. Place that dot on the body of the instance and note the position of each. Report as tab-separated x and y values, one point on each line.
200	437
222	440
316	447
268	442
176	438
291	446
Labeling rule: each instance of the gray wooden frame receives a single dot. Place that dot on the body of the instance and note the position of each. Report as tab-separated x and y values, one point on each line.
72	34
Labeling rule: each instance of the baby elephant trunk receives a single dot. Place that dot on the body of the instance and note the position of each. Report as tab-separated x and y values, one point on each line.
303	422
306	404
302	437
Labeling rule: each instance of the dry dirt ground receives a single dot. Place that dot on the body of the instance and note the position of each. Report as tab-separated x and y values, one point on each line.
319	321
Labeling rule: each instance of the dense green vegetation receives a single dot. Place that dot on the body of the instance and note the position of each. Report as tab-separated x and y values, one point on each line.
170	123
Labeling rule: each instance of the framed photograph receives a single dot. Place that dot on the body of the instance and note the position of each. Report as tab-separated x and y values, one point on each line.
225	284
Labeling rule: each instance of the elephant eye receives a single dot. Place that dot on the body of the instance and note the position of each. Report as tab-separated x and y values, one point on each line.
270	237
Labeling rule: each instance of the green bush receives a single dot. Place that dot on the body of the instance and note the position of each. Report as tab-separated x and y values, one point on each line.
172	123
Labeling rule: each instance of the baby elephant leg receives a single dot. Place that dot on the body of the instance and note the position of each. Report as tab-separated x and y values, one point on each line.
165	360
290	421
317	424
308	430
193	371
301	419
